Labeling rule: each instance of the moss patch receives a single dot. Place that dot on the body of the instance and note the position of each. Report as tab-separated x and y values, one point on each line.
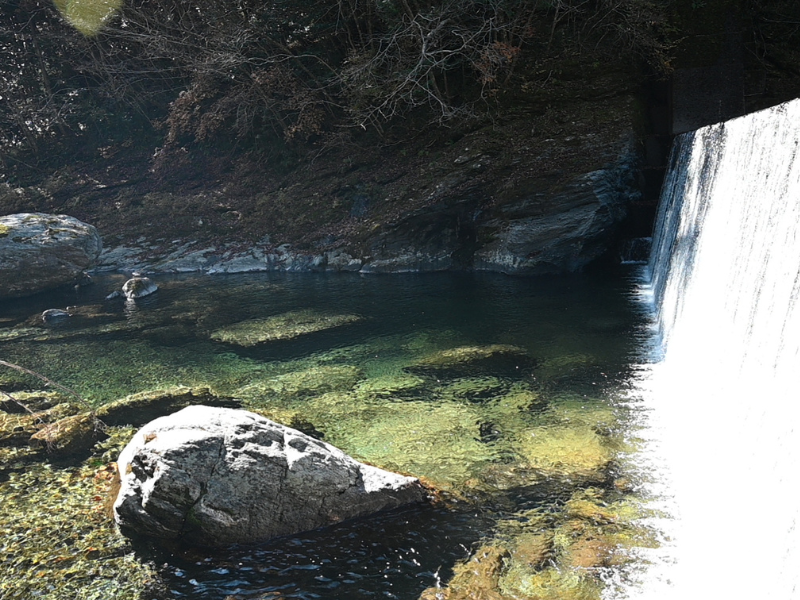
59	541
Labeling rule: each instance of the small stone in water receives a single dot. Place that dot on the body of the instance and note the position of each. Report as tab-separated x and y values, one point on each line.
137	287
54	315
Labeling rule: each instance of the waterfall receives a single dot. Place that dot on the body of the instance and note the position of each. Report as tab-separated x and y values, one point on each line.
723	397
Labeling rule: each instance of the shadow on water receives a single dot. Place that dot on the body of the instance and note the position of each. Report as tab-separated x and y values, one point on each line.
391	555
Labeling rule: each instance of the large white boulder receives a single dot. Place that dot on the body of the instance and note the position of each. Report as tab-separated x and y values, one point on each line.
217	476
40	251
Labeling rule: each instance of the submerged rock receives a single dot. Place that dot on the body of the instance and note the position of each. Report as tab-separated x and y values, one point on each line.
70	435
575	453
476	579
216	476
285	326
138	287
477	390
39	252
31	401
308	382
17	428
138	409
391	385
499	359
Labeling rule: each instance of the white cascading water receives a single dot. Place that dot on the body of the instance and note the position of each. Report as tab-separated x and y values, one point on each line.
723	398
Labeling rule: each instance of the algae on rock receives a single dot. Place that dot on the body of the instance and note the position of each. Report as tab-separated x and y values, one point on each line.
285	326
548	555
575	453
138	409
297	384
497	358
70	435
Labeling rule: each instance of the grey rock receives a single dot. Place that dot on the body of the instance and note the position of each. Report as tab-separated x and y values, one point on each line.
217	476
138	287
338	260
124	257
40	252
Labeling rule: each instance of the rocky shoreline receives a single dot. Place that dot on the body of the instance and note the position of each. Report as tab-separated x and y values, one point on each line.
544	231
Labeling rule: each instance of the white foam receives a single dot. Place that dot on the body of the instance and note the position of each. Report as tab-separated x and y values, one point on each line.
723	402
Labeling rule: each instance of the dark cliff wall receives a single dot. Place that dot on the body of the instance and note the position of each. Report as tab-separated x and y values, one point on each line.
553	143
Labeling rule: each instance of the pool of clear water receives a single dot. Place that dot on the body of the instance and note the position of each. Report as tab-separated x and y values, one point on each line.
502	392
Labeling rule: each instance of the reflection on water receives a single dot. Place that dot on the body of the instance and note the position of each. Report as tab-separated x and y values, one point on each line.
502	392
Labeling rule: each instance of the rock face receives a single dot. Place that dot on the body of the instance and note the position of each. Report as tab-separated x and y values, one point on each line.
536	226
40	251
217	476
557	231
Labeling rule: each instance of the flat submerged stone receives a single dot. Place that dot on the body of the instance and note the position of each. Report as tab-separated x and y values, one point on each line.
285	326
498	359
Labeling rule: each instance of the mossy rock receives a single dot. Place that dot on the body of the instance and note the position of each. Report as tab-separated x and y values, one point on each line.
299	384
285	326
141	408
20	333
574	453
565	365
70	435
592	552
534	550
17	429
475	579
59	542
517	406
497	359
34	401
477	390
394	385
549	584
440	442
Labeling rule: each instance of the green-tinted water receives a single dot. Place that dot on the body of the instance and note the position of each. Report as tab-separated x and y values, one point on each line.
502	392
